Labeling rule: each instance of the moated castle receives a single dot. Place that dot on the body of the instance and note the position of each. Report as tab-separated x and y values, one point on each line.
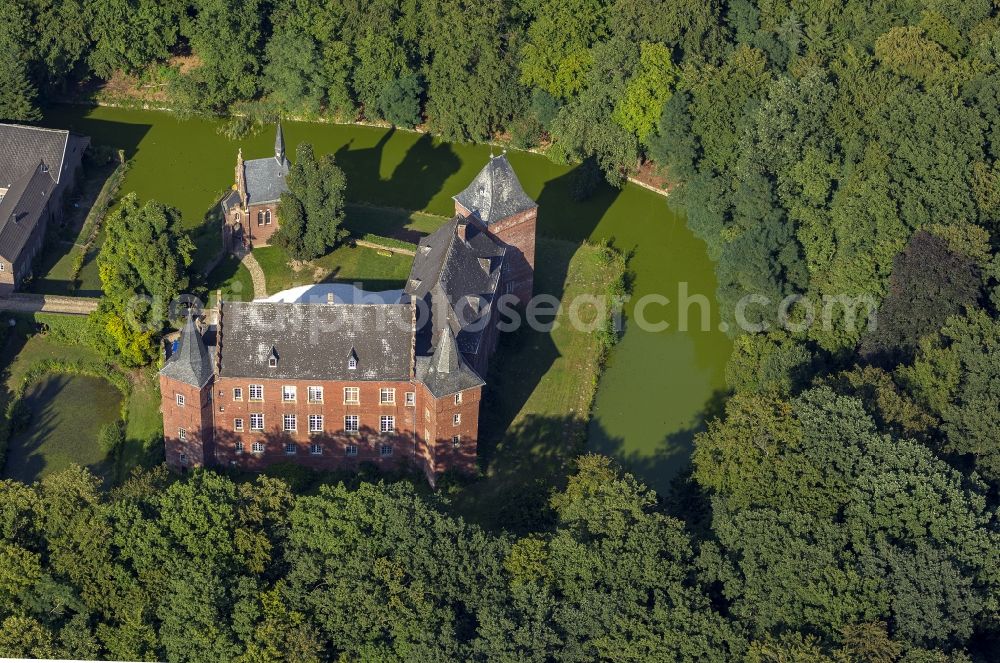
332	381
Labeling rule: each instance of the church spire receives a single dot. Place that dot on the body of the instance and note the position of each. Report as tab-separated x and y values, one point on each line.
279	145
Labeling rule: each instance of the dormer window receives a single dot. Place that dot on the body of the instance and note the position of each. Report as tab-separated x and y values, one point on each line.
352	361
272	359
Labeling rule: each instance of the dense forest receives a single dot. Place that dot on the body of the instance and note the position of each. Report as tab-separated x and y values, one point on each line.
843	507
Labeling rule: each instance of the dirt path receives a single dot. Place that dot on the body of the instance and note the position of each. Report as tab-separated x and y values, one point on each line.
257	274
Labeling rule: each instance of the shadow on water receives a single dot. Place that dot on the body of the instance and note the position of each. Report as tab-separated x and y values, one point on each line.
120	135
425	167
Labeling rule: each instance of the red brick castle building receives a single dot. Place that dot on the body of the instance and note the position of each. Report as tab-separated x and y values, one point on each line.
332	384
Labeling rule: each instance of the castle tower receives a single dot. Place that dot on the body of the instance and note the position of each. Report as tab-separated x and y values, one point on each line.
186	401
497	201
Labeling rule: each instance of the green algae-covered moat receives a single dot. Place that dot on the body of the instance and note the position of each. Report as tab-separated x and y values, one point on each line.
659	382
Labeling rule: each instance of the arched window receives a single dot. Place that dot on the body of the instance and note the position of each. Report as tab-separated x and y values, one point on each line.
260	218
267	217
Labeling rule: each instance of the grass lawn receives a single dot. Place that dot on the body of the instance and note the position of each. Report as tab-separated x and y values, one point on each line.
369	267
67	411
232	278
536	406
390	222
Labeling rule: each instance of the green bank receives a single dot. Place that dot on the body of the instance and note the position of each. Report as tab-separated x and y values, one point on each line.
660	381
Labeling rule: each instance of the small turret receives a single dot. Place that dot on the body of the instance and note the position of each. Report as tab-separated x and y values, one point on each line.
279	145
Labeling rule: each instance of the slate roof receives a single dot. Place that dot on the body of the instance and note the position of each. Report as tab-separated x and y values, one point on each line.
191	363
265	179
445	372
459	281
21	148
495	193
231	200
314	341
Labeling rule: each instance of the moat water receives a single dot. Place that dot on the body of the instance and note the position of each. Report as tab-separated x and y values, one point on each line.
658	386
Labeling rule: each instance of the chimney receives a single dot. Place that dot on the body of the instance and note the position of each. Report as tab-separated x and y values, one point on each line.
329	298
461	229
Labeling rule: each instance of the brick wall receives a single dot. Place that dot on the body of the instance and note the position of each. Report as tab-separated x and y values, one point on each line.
333	440
260	234
518	233
423	434
194	417
441	451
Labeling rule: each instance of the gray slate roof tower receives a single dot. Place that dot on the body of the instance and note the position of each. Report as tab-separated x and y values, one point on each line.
265	178
445	372
495	193
191	363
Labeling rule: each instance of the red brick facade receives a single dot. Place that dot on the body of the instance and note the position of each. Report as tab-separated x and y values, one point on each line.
424	433
254	227
187	423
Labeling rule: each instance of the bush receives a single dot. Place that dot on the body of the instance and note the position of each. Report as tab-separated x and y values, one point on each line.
544	107
399	102
525	132
111	437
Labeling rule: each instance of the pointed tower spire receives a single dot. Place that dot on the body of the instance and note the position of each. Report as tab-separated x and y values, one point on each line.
279	145
190	363
445	359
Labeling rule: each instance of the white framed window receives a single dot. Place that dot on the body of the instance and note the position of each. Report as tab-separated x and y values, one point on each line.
3	267
184	459
180	400
260	218
456	441
456	419
351	450
237	393
258	447
315	394
385	450
288	393
238	448
182	434
256	421
288	423
316	449
387	395
256	392
352	363
387	423
315	423
458	398
272	362
351	423
267	217
290	449
411	398
352	395
238	425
